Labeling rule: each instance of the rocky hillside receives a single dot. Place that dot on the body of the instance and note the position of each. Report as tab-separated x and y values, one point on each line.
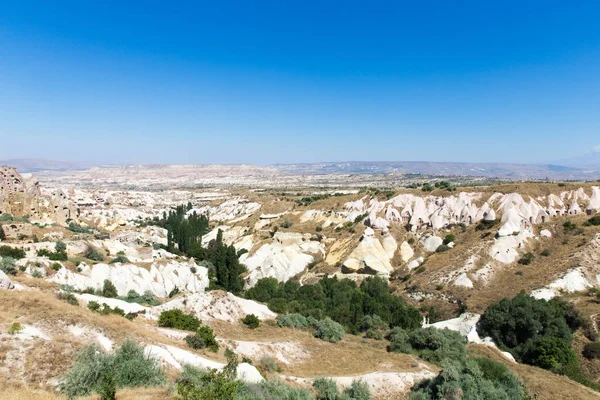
72	256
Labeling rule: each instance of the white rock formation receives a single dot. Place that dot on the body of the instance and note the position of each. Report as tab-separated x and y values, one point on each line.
177	358
431	242
217	305
5	282
160	280
287	256
369	257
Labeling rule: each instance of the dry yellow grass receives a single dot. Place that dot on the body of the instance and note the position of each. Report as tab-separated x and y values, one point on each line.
351	356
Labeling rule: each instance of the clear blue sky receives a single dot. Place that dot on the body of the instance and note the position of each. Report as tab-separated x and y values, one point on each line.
266	82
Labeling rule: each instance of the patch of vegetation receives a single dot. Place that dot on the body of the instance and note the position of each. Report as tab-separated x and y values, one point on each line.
204	338
7	265
591	350
341	300
329	330
7	251
536	332
484	225
105	309
15	327
449	239
545	253
104	373
77	228
146	298
251	321
595	220
527	259
286	224
69	298
93	254
268	365
59	253
177	319
445	185
120	258
442	248
109	289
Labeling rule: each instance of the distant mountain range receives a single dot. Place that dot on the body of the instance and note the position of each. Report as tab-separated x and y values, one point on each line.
36	165
586	167
490	170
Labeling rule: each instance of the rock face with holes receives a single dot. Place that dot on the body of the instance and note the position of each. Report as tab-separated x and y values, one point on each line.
21	195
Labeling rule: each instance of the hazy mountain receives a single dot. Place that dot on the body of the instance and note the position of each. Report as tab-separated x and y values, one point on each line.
35	165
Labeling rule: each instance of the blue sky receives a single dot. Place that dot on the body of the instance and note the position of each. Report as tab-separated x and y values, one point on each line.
306	81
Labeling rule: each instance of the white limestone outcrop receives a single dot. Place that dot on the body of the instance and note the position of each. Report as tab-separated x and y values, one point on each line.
160	279
285	257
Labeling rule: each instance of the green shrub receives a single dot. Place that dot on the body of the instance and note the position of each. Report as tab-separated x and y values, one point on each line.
512	322
442	248
203	338
545	253
329	330
93	254
93	306
296	321
549	353
15	328
174	292
251	321
121	259
431	344
591	350
13	252
7	265
326	389
358	390
69	298
286	224
200	384
595	220
527	259
177	319
373	322
109	290
102	373
36	273
56	266
146	298
268	364
449	239
464	379
76	228
319	228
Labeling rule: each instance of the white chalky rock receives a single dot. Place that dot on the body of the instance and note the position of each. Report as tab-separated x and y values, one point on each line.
160	280
369	256
546	233
406	252
431	243
5	282
287	256
415	263
217	305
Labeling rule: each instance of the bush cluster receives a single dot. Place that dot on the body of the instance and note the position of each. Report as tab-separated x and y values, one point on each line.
203	338
177	319
103	373
7	251
251	321
536	332
7	265
341	300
